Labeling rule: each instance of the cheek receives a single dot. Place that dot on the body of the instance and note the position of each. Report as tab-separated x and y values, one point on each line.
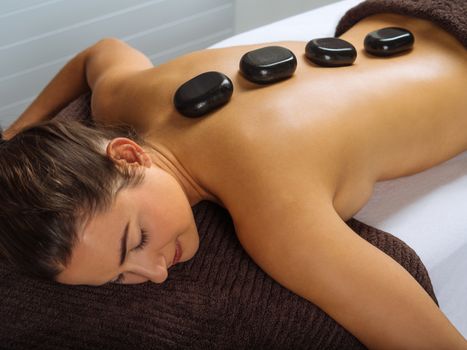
189	219
165	222
179	212
166	210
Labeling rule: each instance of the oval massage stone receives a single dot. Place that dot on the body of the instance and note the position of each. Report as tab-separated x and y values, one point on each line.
330	52
388	41
268	64
203	94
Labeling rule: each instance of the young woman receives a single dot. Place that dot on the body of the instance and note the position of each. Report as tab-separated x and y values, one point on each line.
291	162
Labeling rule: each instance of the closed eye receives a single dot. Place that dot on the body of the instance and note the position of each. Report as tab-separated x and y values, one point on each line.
144	241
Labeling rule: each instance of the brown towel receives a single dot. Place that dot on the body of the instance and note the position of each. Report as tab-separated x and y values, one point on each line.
451	15
218	300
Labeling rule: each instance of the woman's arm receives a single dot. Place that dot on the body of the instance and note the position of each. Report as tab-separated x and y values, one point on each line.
107	58
313	253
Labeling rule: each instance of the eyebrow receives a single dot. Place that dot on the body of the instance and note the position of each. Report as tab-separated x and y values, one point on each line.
123	243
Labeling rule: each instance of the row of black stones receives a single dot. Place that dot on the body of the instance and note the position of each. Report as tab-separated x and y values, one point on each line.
270	64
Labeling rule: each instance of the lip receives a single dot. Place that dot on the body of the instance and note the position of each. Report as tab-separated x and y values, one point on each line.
178	253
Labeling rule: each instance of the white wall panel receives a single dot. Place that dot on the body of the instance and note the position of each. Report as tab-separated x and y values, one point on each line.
38	38
159	40
8	7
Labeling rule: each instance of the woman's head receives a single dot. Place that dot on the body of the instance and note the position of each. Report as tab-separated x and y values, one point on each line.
66	188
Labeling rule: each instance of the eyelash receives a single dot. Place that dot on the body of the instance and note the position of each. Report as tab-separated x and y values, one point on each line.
144	240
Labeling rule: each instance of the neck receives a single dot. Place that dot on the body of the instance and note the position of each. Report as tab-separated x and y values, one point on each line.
163	158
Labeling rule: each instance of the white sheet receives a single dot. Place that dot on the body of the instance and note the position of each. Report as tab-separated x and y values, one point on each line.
428	210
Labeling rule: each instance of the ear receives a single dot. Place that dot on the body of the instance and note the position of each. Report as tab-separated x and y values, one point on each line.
125	151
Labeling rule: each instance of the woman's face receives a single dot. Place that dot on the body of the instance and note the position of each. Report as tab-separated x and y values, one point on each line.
152	223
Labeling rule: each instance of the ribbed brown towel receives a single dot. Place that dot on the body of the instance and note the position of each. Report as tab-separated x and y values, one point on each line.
451	15
218	300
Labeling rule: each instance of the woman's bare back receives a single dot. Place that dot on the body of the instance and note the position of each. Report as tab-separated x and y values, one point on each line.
293	160
328	131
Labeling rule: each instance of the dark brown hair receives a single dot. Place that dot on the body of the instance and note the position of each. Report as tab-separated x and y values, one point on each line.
55	175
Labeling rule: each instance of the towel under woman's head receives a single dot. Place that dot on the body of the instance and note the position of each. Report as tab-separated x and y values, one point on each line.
218	300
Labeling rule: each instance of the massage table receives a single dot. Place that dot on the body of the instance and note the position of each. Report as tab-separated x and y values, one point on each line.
428	210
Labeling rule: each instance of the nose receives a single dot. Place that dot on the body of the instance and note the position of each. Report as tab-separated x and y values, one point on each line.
160	274
150	270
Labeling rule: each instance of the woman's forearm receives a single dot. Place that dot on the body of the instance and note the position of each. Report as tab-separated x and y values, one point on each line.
69	83
375	298
368	293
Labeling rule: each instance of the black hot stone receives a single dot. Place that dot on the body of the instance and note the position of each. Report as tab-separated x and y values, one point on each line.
330	52
203	94
388	41
268	64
